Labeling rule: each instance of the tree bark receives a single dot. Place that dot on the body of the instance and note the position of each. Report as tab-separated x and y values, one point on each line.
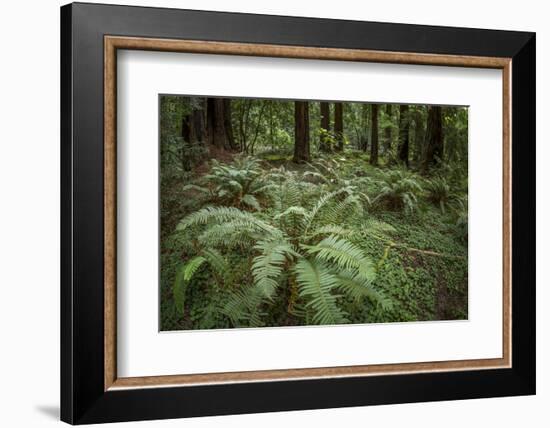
228	122
193	128
419	134
365	123
339	126
216	117
324	145
434	138
301	131
388	129
374	135
403	149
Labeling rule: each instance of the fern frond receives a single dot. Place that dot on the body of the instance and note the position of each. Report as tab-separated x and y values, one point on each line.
221	215
358	287
343	253
268	266
375	227
243	306
251	201
230	235
183	276
322	203
216	261
315	285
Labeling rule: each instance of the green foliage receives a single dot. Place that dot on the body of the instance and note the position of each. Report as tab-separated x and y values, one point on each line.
398	190
460	211
439	191
239	184
327	140
302	242
316	284
184	275
252	239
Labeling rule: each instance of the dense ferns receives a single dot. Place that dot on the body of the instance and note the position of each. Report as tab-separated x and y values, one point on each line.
288	241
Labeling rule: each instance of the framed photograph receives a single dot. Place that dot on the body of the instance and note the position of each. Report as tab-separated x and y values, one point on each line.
266	213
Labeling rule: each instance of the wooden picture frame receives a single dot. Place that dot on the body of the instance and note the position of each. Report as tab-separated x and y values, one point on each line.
91	390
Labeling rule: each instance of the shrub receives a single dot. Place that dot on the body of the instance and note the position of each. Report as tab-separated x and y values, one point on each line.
398	190
305	251
439	192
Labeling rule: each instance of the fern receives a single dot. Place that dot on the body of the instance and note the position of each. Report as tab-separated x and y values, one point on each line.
344	254
316	284
398	191
268	265
223	214
357	287
183	276
439	192
303	247
243	306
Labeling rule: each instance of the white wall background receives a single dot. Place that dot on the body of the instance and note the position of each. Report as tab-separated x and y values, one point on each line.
29	213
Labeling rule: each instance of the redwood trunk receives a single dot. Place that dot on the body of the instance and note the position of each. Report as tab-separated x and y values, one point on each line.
325	127
228	123
374	135
403	150
218	133
388	129
301	131
434	138
339	126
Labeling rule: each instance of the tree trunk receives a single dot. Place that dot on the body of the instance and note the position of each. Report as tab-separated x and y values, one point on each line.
388	129
434	139
301	131
216	118
228	122
419	135
339	126
193	131
374	135
324	145
365	121
403	150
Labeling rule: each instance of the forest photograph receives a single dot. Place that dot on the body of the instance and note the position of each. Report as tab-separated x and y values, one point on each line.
281	213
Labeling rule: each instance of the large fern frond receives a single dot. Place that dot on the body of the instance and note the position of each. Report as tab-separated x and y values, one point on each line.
221	215
316	284
183	276
358	287
243	307
268	266
343	253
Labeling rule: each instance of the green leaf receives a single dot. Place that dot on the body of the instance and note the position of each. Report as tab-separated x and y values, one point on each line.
251	201
268	266
344	254
183	275
315	285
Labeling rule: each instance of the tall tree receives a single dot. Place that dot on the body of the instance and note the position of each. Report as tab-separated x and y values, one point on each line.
301	131
404	122
228	122
324	144
433	152
374	135
365	124
419	133
339	126
217	118
388	129
193	124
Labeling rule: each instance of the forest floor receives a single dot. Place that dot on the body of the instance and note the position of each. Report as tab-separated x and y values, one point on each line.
422	264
